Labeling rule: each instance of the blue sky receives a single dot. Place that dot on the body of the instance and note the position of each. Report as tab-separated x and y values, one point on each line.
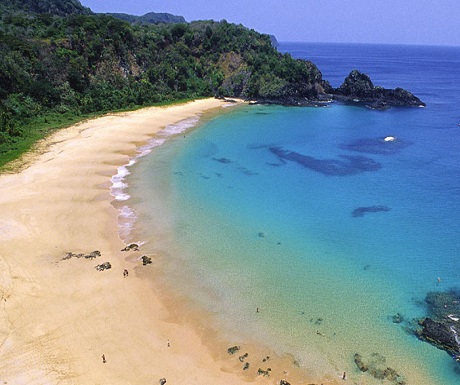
430	22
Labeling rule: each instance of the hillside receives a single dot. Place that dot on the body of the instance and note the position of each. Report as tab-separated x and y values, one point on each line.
59	61
53	7
149	18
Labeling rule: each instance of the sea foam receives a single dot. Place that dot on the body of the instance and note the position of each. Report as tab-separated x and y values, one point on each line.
127	216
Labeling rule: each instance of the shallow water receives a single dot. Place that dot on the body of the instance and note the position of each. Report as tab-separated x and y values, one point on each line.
256	209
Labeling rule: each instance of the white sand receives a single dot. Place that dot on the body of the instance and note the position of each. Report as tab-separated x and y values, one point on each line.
58	317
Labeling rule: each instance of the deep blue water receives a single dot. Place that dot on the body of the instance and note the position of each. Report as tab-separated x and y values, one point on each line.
309	214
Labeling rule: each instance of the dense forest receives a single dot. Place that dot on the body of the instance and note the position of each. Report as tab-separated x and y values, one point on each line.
60	62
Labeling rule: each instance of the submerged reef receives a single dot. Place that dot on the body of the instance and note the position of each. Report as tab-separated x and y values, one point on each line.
360	211
376	366
346	166
441	327
376	146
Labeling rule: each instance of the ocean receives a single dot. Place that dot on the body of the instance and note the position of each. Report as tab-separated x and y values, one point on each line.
311	217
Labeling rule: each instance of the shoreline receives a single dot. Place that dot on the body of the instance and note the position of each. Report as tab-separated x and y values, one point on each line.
60	319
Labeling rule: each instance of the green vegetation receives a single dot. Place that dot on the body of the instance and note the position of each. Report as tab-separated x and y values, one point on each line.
149	18
59	62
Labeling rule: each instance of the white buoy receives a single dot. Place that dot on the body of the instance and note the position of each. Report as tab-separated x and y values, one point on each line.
389	139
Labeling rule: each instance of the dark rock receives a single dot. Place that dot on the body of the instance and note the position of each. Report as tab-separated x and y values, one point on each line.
243	357
358	87
103	266
442	326
162	381
146	260
131	247
233	349
284	382
265	373
441	334
91	255
246	366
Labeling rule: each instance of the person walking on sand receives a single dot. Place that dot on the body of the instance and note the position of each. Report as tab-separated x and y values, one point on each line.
125	273
103	359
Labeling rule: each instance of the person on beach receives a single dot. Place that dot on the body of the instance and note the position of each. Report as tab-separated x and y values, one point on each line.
103	359
125	273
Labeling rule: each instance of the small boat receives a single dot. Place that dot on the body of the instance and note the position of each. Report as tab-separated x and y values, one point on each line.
389	139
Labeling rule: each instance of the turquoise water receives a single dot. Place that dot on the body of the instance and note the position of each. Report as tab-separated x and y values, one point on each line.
256	209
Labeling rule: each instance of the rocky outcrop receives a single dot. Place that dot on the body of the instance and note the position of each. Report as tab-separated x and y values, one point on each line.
146	260
442	326
92	255
358	88
376	366
103	266
131	247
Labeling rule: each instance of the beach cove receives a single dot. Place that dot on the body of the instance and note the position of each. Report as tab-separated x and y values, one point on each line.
61	320
309	214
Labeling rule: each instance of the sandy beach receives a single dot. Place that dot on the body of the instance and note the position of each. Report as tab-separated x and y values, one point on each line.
64	322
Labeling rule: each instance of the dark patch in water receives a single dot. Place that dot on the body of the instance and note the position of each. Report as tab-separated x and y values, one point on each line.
348	165
223	160
241	169
360	211
377	146
281	163
257	146
246	171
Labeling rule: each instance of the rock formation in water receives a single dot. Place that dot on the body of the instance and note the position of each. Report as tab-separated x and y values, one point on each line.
358	88
442	326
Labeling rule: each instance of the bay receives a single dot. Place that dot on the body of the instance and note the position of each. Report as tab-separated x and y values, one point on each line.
311	216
